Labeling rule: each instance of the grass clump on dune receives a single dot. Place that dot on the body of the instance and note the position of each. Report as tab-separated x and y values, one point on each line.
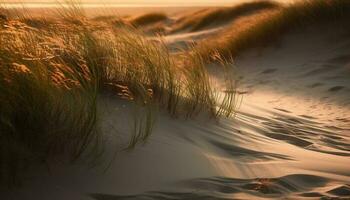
271	26
150	74
48	105
51	77
147	19
218	16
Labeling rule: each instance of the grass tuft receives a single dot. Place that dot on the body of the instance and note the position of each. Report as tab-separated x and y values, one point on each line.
53	70
147	19
218	16
273	25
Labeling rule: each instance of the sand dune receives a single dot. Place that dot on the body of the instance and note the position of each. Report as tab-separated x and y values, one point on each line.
274	148
205	18
290	138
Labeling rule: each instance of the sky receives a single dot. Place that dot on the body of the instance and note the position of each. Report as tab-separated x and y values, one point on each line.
132	1
139	2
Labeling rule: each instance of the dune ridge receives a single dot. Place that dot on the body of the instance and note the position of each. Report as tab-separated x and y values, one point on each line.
148	19
269	27
203	18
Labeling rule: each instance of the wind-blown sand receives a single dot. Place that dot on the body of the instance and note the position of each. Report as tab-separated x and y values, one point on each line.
290	138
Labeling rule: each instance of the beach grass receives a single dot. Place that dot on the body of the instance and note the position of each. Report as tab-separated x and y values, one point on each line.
148	18
271	26
51	75
216	16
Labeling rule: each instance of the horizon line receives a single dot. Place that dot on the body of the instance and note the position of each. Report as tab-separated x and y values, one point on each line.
96	4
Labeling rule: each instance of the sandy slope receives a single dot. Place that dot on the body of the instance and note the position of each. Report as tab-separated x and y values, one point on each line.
290	139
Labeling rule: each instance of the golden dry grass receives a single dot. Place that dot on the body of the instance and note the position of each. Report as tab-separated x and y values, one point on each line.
268	26
53	70
207	17
149	18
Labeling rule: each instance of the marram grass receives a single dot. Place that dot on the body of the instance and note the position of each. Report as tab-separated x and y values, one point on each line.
51	76
216	16
272	25
147	19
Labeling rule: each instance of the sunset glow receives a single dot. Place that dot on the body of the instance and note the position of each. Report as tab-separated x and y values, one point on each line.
134	2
